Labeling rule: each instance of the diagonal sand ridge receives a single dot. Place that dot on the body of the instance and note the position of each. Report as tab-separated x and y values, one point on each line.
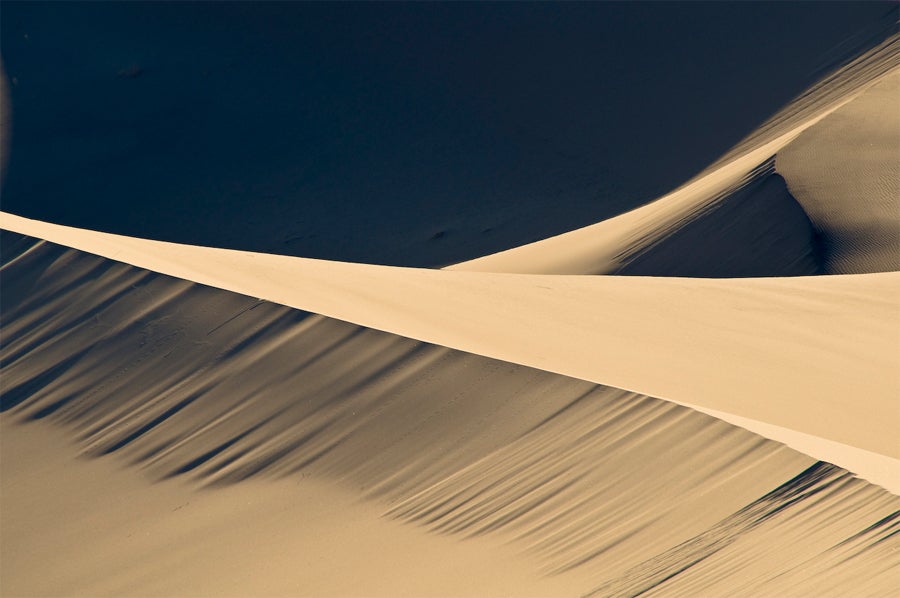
267	408
823	342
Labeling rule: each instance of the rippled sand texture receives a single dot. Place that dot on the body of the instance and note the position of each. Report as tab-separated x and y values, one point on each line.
822	341
845	173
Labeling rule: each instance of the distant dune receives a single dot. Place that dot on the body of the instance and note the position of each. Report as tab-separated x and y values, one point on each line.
781	242
693	395
399	134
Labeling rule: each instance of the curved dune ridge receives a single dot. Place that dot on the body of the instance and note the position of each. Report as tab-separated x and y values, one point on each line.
609	246
720	422
442	142
189	381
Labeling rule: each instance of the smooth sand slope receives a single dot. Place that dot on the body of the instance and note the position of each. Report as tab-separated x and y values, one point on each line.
602	489
807	344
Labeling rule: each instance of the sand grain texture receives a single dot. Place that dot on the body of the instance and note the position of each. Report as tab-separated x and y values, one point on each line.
611	245
845	172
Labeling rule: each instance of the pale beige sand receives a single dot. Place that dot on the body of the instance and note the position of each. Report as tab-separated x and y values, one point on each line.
755	229
845	172
806	562
841	81
599	487
810	345
76	527
627	240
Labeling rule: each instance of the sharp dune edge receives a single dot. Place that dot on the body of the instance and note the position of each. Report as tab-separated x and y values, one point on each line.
822	341
585	435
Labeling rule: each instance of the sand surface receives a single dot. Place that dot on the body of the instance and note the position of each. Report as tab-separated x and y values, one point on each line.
822	341
611	245
845	173
96	528
402	134
693	395
235	410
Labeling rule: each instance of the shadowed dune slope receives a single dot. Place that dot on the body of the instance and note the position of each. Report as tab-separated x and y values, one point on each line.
187	381
403	133
262	424
845	172
779	234
865	58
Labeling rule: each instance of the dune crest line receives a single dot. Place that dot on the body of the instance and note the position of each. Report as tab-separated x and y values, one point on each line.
822	341
605	247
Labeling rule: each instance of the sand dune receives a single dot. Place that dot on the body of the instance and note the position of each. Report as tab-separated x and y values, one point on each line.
601	488
402	134
77	527
754	229
611	245
822	341
722	422
845	173
606	247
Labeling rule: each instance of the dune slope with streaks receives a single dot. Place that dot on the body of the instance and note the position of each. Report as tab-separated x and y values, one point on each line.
93	527
271	425
618	489
824	343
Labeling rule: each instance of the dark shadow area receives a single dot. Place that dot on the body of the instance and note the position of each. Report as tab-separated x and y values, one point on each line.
755	230
408	134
